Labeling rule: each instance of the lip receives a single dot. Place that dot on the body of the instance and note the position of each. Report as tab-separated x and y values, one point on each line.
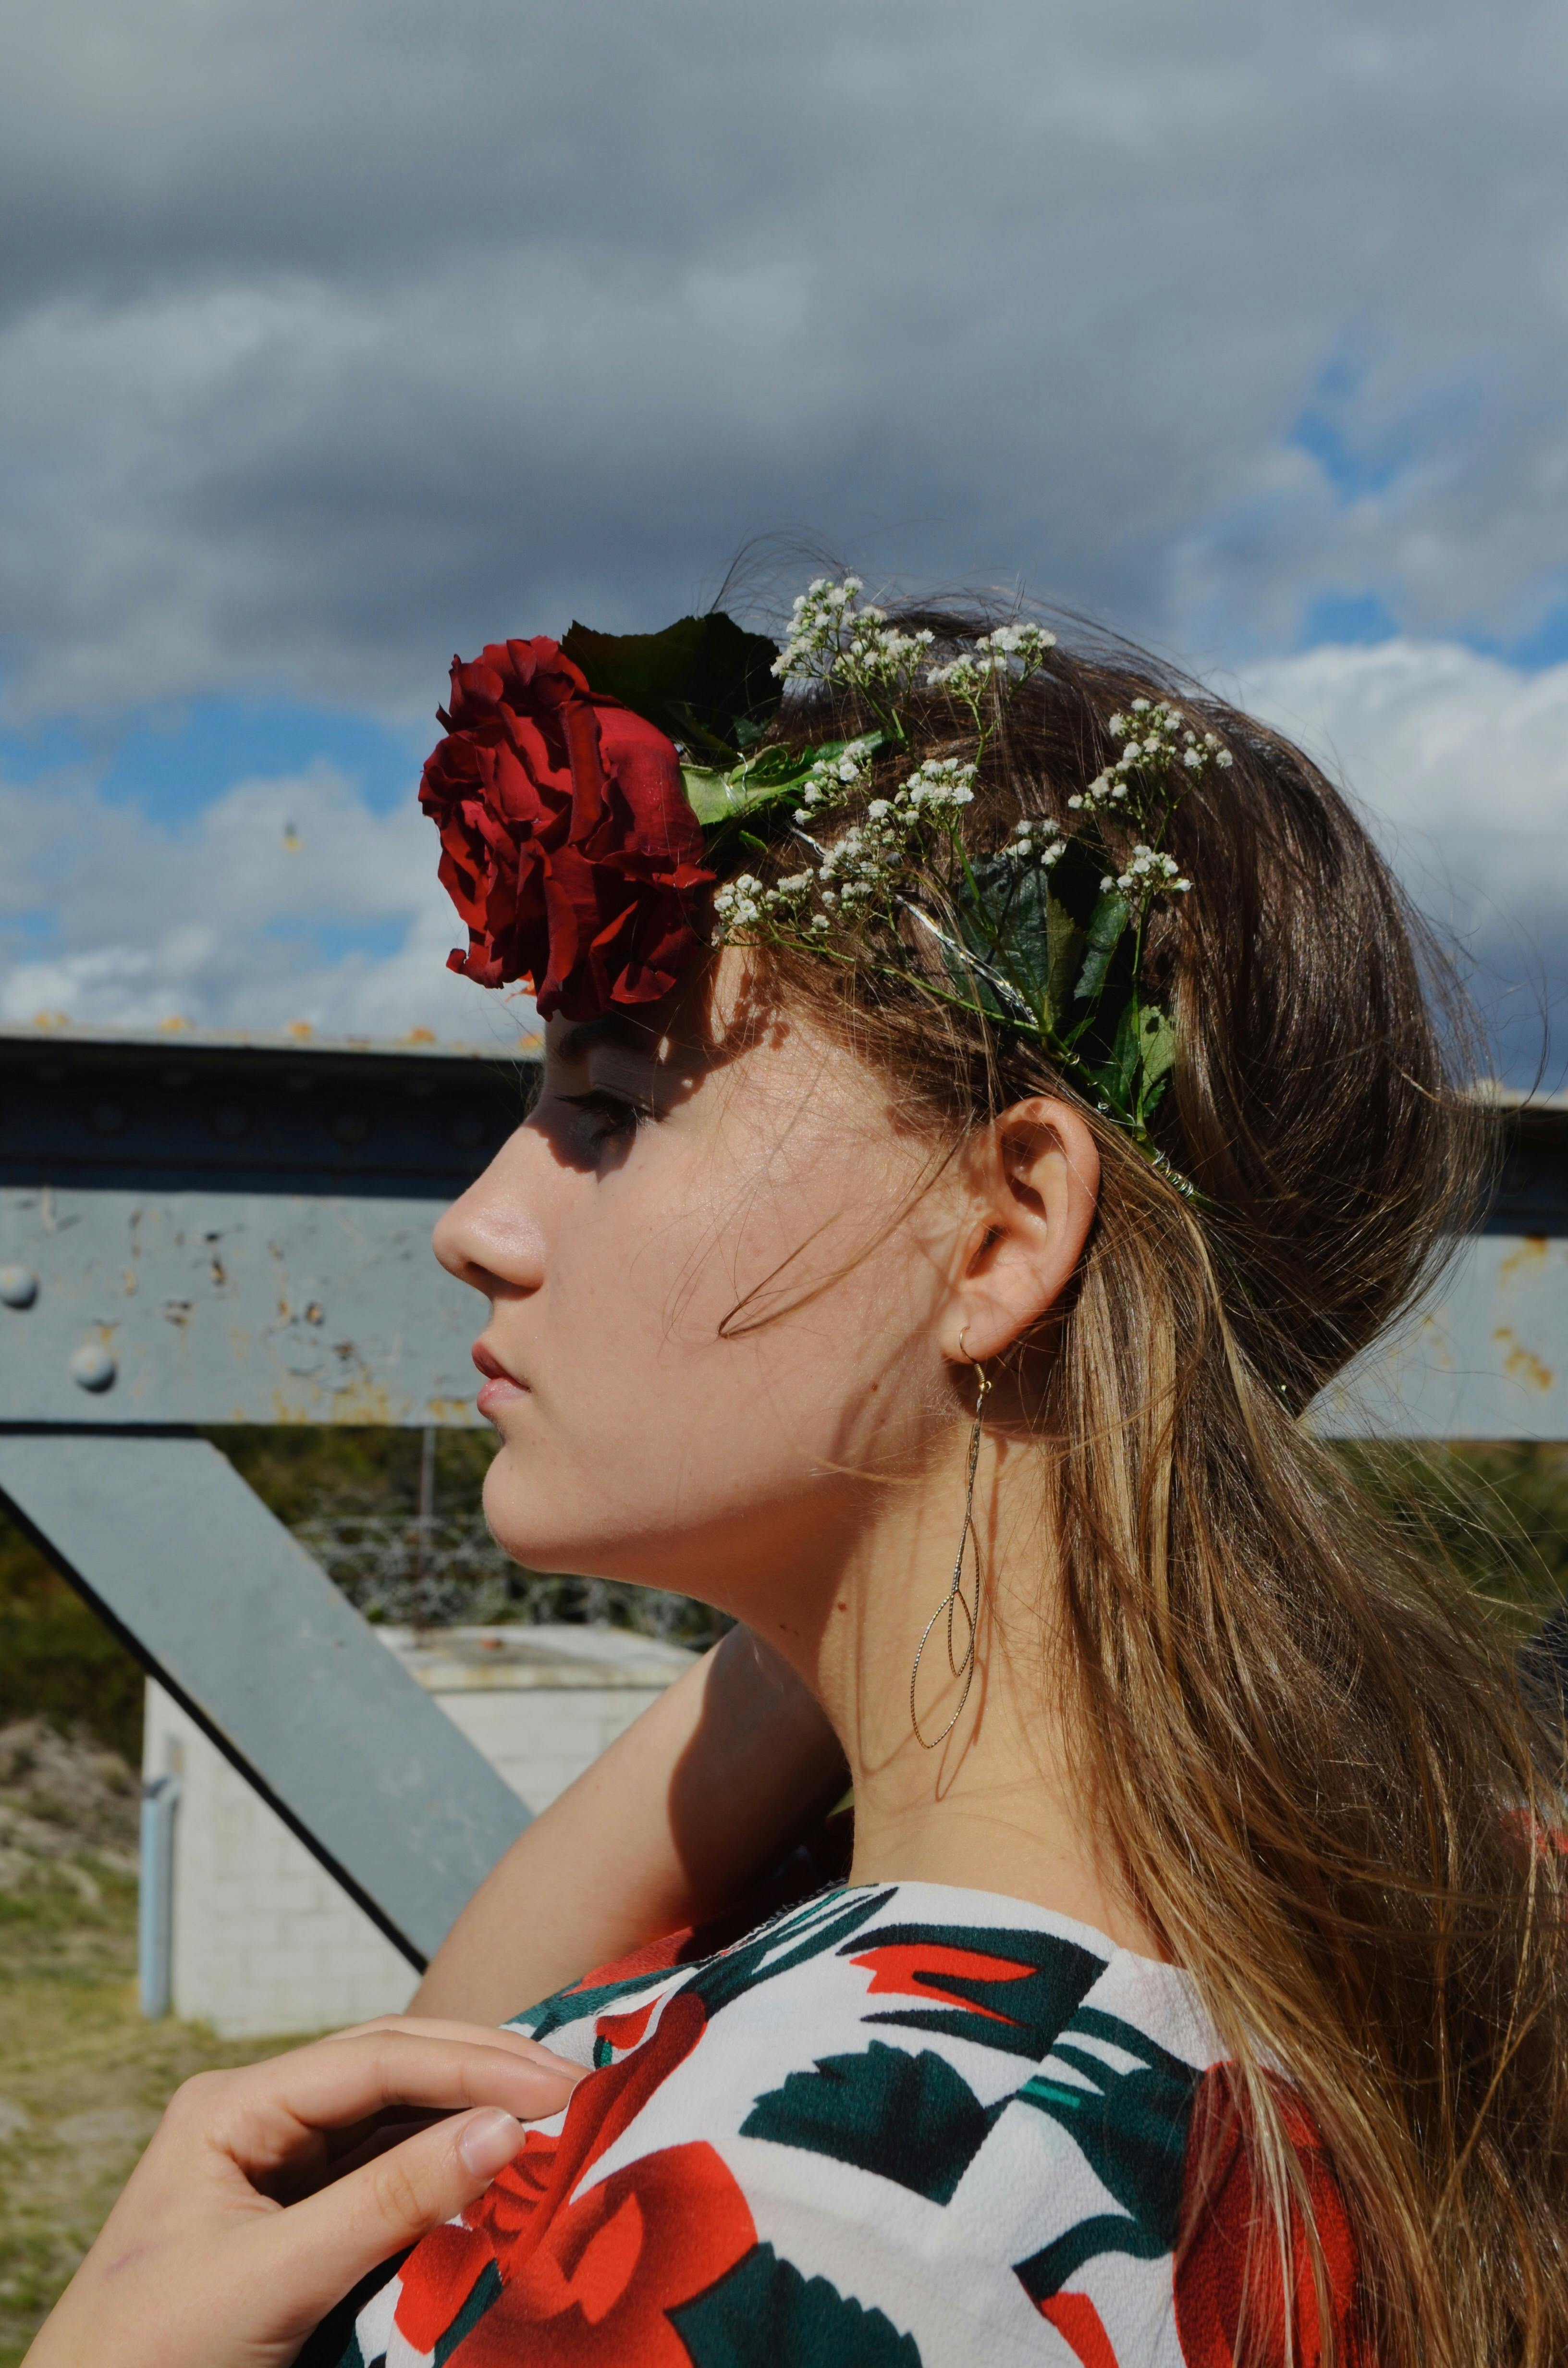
499	1387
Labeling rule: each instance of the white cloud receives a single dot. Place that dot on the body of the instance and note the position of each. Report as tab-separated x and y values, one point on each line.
338	336
245	919
1460	765
1460	761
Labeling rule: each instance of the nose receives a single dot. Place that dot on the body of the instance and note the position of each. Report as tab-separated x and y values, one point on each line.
492	1236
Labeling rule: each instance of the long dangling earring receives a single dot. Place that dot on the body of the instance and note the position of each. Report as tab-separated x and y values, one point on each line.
955	1599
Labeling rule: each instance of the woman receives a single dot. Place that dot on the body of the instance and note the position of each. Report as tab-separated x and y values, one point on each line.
988	1092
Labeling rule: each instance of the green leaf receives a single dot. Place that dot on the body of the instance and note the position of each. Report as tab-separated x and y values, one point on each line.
1156	1040
1072	887
1106	922
1134	1075
708	794
1126	1047
701	679
1066	937
1036	924
767	778
999	920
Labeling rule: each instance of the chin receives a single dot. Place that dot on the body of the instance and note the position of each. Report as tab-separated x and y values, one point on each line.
535	1535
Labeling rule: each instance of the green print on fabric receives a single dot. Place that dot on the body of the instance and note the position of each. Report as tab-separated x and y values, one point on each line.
485	2294
1131	2129
793	1940
554	2013
336	2342
1013	1991
908	2117
764	2313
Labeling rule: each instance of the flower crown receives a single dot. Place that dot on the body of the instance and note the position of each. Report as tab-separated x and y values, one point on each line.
598	798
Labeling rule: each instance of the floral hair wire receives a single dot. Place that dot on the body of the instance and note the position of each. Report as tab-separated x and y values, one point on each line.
600	800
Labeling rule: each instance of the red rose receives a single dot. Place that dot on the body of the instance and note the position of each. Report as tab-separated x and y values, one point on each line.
567	844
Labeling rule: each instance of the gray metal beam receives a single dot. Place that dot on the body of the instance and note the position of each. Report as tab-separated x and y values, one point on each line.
212	1306
1485	1356
217	1600
201	1232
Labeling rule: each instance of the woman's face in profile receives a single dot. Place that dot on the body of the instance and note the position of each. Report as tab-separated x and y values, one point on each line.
713	1281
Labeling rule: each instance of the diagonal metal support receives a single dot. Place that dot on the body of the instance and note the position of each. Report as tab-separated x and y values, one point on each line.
232	1616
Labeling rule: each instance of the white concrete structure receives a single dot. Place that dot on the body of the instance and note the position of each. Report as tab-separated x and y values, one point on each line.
263	1939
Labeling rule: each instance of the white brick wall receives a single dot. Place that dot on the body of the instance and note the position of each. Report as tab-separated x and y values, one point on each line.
264	1939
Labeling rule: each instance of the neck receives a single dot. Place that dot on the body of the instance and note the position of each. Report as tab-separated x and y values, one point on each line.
1000	1804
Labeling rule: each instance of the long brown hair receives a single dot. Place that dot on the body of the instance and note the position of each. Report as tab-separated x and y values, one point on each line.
1306	1745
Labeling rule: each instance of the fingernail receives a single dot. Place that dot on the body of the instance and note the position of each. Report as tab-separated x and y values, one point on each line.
489	2142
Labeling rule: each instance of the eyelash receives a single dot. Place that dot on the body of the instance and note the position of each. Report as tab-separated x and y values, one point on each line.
625	1116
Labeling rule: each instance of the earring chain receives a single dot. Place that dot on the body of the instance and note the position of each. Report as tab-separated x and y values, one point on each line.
955	1599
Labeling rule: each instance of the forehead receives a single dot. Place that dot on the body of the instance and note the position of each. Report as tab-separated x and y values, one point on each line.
574	1039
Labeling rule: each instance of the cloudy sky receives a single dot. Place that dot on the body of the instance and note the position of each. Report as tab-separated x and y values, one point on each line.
335	338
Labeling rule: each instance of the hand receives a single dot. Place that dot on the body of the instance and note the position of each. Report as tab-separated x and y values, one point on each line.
246	2219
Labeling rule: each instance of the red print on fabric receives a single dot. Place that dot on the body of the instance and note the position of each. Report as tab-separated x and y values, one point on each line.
624	2031
587	2280
922	1969
1075	2318
1230	2266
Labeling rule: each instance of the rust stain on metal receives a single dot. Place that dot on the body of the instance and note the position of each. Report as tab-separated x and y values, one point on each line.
1522	1364
357	1402
1530	1254
452	1411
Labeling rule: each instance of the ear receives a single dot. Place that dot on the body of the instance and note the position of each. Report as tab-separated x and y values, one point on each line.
1034	1181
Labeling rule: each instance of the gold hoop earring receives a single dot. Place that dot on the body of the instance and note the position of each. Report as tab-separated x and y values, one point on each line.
955	1599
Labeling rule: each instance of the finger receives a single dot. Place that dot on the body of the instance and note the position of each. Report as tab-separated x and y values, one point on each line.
414	2026
268	2114
347	2229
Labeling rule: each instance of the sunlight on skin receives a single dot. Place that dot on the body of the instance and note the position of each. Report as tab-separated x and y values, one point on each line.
727	1290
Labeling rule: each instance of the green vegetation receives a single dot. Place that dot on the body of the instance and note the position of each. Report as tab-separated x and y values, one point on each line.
302	1474
58	1659
1497	1514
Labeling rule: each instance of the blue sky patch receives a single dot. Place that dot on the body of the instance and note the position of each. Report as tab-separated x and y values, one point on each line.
1341	618
172	763
336	941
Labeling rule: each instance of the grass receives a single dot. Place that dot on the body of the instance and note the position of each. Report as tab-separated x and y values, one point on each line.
85	2079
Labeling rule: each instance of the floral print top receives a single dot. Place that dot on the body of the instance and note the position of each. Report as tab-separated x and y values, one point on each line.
899	2127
